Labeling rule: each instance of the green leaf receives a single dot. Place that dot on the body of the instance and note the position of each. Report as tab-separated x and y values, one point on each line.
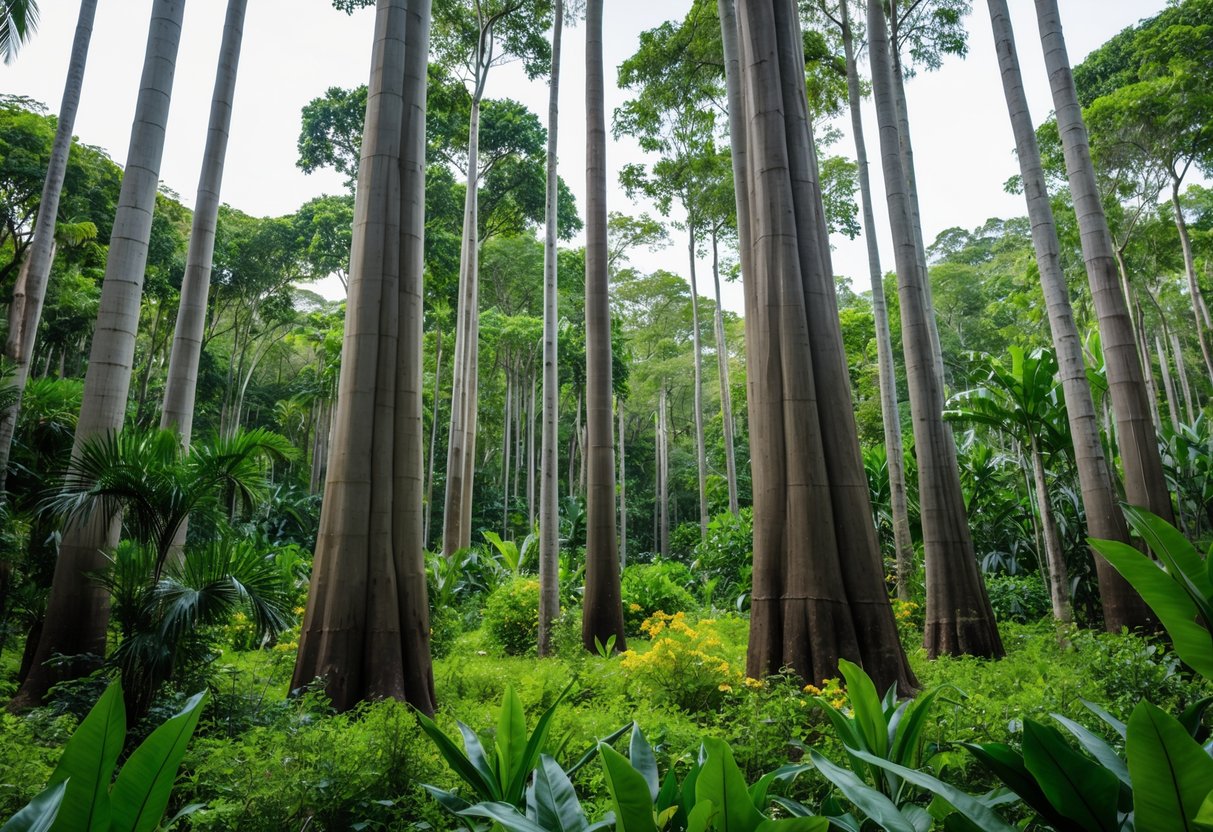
795	825
721	782
641	755
966	804
1204	817
589	755
1005	763
485	788
474	749
534	745
760	790
629	792
88	760
865	703
553	799
504	814
910	727
39	814
700	816
1112	722
867	799
511	737
1097	748
1173	549
1172	775
143	787
1079	789
1167	599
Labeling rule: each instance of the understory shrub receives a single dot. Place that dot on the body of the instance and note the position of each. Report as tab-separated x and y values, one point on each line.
725	557
1019	598
654	587
692	664
511	615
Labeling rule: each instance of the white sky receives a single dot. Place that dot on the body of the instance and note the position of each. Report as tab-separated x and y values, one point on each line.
295	49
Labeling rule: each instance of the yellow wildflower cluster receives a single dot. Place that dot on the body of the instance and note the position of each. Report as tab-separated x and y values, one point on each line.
903	611
687	662
831	692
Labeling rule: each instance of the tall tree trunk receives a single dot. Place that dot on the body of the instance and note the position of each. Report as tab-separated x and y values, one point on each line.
429	478
903	542
530	452
506	425
1167	383
461	446
701	454
726	394
181	384
623	491
1181	371
1199	311
819	593
25	311
663	475
1145	484
1122	606
958	616
602	614
366	629
549	485
77	612
1055	557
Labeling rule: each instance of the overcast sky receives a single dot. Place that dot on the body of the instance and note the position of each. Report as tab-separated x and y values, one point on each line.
295	49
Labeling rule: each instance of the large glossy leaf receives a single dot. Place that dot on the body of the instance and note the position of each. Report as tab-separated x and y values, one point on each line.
1172	775
39	814
511	737
721	782
485	788
629	793
966	804
795	825
867	799
534	745
506	815
761	789
1005	763
1097	748
1204	817
553	799
88	760
1078	788
473	747
1111	721
585	759
910	726
641	755
1169	601
701	816
866	705
143	787
1180	557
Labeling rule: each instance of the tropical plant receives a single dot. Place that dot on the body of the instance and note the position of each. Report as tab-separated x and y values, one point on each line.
18	21
80	796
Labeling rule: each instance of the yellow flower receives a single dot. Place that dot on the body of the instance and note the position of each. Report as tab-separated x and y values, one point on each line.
726	688
634	607
812	689
752	683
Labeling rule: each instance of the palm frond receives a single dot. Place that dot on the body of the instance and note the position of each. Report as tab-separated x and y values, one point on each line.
18	22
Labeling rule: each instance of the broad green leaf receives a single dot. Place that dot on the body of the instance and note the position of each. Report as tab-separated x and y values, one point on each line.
1173	549
1204	817
629	793
641	755
584	759
721	782
453	803
553	799
867	799
1172	775
969	806
1193	715
1005	763
910	726
89	760
534	745
667	796
1112	722
795	825
506	815
511	737
1079	789
142	789
474	749
485	788
1097	748
1167	599
760	790
39	814
866	705
700	816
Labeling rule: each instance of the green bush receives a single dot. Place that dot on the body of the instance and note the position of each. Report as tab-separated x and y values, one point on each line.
654	587
511	615
1019	598
725	556
446	625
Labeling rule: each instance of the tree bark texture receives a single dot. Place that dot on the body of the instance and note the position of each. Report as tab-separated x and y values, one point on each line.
602	614
1122	606
77	612
819	593
958	615
25	311
726	393
1143	474
366	629
1198	309
701	455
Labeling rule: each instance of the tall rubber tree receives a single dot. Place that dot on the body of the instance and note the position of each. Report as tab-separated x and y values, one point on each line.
1144	482
25	311
549	486
1122	606
602	611
182	381
958	614
480	34
77	611
819	593
366	628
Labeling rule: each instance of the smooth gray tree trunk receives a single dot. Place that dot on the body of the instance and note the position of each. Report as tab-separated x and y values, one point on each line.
623	491
1199	311
726	393
701	455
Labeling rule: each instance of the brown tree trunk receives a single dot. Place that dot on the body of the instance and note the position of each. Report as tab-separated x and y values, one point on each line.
1167	383
602	613
1182	372
819	593
958	616
366	629
726	394
429	478
1145	484
1055	558
623	492
697	397
1199	311
663	475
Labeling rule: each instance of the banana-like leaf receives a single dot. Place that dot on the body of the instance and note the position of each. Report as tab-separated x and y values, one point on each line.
629	793
1172	774
88	760
721	781
141	793
1097	748
485	788
867	799
553	800
1180	557
511	737
640	753
794	825
1005	763
40	813
760	790
866	705
1078	788
534	745
504	814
